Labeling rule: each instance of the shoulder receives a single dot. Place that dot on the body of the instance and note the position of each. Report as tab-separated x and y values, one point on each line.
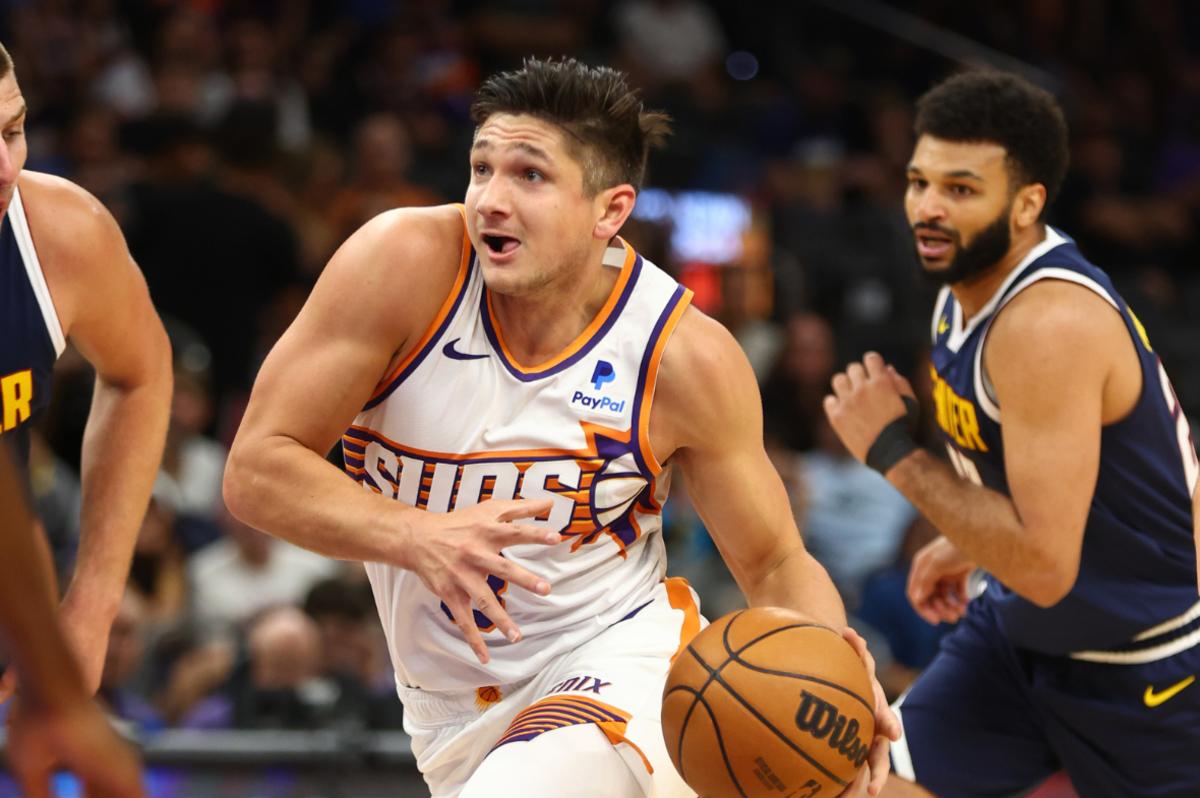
64	218
704	380
418	242
1054	332
390	277
1054	316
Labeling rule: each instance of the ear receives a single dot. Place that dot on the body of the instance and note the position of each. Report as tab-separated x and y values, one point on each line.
1028	205
613	206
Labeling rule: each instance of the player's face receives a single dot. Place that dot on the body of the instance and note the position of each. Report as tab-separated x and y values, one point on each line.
12	130
959	206
527	214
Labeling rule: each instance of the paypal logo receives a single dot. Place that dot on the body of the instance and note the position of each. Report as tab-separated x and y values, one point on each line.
602	374
603	403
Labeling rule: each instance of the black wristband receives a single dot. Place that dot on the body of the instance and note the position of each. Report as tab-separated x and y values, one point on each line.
895	441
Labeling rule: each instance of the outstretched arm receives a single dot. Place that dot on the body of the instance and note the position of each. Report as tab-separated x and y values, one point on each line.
708	414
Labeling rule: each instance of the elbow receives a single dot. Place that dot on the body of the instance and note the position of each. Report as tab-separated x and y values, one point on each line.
1050	583
236	486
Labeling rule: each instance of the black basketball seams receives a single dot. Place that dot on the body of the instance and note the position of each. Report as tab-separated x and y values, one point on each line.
720	743
804	677
776	732
686	717
714	674
734	657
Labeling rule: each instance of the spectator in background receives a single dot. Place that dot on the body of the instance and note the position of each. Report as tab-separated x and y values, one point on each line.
854	520
267	689
668	41
119	690
379	181
194	461
245	572
799	381
214	259
157	572
354	661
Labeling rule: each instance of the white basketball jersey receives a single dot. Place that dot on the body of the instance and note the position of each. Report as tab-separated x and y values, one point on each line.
459	421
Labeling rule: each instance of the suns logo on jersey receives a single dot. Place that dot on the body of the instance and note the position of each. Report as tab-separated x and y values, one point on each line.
595	492
956	415
16	399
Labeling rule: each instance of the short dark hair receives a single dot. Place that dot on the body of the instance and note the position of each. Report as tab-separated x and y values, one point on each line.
1004	109
608	130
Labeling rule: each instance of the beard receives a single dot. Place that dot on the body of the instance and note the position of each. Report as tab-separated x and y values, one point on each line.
988	247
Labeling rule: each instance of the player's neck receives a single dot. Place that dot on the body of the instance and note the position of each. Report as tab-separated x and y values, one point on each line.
974	293
539	326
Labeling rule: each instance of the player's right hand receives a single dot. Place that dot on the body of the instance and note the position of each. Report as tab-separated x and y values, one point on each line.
454	553
937	581
78	737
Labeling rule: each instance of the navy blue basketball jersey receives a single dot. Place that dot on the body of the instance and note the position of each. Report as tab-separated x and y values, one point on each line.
1136	588
31	337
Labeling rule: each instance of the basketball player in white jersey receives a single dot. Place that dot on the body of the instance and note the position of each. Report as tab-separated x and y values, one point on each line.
514	387
66	274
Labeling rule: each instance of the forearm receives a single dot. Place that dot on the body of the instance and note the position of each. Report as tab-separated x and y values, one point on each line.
278	485
800	583
122	450
981	522
27	600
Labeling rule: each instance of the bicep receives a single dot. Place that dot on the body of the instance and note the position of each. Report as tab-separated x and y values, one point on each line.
325	366
732	482
1051	402
114	324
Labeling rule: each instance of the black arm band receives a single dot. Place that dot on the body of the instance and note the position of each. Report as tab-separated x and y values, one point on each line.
895	441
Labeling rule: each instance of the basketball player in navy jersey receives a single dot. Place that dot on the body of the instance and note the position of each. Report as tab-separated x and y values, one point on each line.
1070	482
65	274
461	436
55	723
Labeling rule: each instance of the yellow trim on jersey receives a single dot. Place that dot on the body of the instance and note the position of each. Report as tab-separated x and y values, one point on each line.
584	337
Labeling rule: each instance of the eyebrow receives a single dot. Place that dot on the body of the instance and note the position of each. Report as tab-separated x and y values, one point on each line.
528	149
957	174
20	113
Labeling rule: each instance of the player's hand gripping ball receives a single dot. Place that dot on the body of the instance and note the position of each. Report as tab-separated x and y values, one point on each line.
766	703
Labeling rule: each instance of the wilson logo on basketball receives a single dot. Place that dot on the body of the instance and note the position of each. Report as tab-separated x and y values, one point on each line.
822	720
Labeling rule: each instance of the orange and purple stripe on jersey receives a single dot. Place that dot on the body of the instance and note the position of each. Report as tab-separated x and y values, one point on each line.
595	491
562	711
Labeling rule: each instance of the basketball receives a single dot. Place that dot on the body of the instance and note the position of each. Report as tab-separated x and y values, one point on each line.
766	703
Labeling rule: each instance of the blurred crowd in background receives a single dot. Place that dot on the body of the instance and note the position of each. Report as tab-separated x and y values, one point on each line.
239	143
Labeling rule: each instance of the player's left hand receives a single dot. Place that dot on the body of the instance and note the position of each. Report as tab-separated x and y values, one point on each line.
887	727
866	398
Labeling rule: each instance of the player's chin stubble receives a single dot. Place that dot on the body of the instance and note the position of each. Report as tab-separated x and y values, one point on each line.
987	249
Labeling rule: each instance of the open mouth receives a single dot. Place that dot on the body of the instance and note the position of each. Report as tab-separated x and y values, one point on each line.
932	245
500	244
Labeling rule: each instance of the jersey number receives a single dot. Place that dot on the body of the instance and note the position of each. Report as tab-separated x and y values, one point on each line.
963	465
1183	432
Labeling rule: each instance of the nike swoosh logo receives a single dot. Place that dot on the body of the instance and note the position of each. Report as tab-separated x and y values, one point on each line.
449	351
1153	699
